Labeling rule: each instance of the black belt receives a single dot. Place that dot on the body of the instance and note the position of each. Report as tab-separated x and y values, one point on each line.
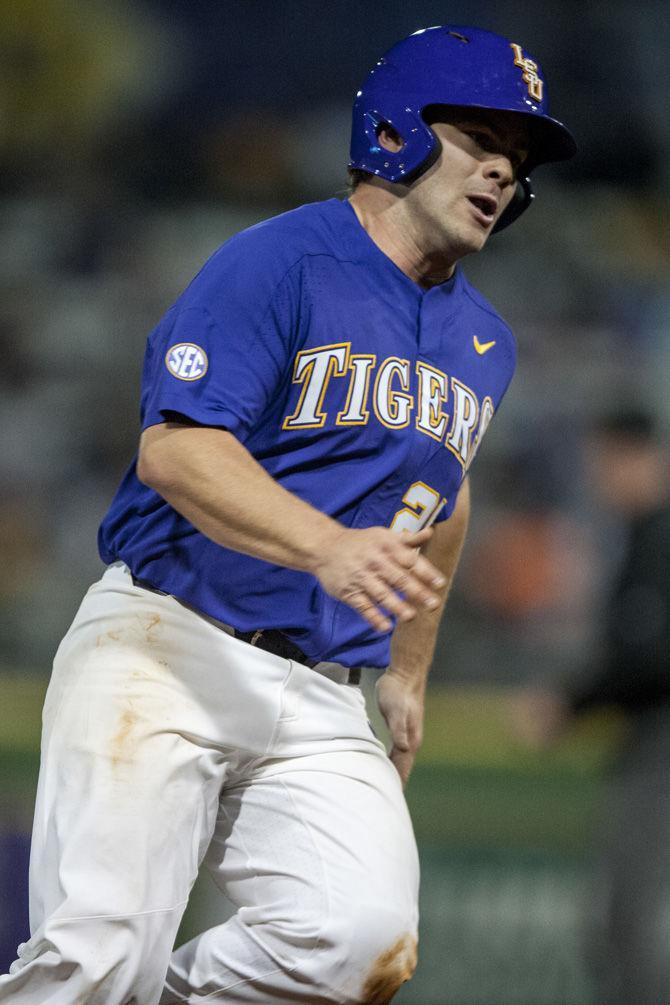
269	639
273	641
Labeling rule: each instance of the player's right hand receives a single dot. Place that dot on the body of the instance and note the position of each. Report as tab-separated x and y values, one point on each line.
378	572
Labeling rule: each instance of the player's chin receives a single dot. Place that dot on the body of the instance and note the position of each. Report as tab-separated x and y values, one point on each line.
470	240
480	241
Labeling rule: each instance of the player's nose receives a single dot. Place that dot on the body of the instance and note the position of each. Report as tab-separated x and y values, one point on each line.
498	168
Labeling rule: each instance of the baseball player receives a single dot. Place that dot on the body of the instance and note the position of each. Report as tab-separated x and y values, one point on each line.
310	406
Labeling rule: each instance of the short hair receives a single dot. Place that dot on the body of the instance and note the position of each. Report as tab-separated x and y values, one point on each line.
355	177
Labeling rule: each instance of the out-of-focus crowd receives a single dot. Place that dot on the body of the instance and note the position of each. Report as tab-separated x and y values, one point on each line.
135	138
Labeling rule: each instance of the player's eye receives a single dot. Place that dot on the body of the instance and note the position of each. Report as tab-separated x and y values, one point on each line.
488	142
480	138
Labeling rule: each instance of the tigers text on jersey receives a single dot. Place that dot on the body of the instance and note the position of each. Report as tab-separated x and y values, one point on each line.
357	390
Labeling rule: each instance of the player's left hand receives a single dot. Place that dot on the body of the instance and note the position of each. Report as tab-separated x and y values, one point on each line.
401	702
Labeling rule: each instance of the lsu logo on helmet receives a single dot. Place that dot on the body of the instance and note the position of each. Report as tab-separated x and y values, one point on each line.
530	75
186	361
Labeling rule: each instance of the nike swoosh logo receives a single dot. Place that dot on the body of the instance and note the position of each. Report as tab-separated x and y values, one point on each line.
482	347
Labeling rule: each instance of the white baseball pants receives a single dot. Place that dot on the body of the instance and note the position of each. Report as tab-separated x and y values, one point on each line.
167	741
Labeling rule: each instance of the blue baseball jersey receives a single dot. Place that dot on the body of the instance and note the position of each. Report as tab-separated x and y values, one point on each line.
357	390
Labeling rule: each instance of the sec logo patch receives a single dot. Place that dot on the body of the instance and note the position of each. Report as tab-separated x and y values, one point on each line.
186	361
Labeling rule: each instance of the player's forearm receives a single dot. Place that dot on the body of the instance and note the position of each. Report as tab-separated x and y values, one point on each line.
413	643
413	647
212	479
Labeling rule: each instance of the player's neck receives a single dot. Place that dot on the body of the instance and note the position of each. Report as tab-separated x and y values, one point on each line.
380	213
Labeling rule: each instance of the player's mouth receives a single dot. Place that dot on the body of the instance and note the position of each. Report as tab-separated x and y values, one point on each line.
485	208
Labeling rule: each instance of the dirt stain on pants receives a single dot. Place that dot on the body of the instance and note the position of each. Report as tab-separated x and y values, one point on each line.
121	743
389	971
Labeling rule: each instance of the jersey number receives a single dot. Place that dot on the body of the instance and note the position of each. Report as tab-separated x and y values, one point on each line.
422	505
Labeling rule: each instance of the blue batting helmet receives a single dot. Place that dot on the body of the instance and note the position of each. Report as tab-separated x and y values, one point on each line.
459	66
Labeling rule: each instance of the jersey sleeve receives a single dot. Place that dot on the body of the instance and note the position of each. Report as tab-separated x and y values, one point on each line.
220	354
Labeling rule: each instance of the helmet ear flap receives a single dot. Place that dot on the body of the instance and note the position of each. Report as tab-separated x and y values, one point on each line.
368	155
521	200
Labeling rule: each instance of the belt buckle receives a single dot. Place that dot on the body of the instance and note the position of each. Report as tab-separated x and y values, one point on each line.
256	637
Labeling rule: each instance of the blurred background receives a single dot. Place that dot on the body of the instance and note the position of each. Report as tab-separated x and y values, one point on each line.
135	137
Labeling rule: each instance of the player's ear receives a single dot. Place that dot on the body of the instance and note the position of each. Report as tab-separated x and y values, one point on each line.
389	138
